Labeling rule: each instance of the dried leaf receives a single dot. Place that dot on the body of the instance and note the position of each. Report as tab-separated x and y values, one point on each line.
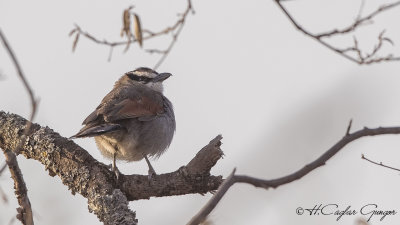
75	42
138	30
126	22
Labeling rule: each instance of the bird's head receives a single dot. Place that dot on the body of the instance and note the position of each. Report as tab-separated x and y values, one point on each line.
145	76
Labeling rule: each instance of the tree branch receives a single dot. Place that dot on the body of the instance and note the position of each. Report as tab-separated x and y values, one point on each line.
3	167
379	164
25	210
274	183
107	198
360	58
25	83
178	27
201	216
175	30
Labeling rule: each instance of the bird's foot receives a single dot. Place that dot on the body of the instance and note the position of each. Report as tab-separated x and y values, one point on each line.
115	170
117	173
152	173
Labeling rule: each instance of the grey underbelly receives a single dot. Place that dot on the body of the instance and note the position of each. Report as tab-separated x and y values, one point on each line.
150	138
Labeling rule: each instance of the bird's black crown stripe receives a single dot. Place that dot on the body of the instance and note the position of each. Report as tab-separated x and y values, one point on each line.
139	78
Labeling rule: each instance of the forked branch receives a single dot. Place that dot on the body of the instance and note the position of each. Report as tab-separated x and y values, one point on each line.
107	197
352	53
144	34
25	210
274	183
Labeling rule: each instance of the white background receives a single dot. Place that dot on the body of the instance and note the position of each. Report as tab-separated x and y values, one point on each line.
240	69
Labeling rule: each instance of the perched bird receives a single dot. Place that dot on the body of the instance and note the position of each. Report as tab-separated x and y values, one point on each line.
134	121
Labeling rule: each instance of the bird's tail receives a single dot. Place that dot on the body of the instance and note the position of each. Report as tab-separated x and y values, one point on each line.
91	131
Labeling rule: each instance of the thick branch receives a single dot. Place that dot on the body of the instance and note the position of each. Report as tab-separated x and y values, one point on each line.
274	183
193	178
84	175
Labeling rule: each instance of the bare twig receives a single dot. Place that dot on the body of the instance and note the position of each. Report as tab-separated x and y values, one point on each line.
25	211
175	29
26	85
3	196
349	127
178	26
201	216
274	183
379	164
3	167
321	160
360	20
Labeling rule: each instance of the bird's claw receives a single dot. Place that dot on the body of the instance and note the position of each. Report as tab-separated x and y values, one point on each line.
115	170
152	173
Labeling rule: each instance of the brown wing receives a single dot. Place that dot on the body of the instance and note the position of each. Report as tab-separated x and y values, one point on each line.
122	103
127	102
140	106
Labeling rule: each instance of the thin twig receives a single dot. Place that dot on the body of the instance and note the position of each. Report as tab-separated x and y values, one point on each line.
3	167
3	196
349	127
360	10
274	183
25	211
180	25
26	85
321	160
201	216
360	20
175	29
379	164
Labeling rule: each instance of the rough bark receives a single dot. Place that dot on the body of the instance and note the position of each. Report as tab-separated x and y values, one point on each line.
21	192
83	174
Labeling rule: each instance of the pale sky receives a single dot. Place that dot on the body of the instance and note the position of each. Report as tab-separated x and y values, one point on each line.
240	69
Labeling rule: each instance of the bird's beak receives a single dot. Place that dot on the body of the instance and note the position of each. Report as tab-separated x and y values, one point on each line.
161	77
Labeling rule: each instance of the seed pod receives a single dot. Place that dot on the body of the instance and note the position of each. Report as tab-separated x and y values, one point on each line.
138	29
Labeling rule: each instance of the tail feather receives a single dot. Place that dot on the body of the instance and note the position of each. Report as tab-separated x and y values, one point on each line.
91	131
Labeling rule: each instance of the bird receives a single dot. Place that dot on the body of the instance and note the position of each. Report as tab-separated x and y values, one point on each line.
134	120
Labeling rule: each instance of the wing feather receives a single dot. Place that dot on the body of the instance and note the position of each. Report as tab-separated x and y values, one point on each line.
122	103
